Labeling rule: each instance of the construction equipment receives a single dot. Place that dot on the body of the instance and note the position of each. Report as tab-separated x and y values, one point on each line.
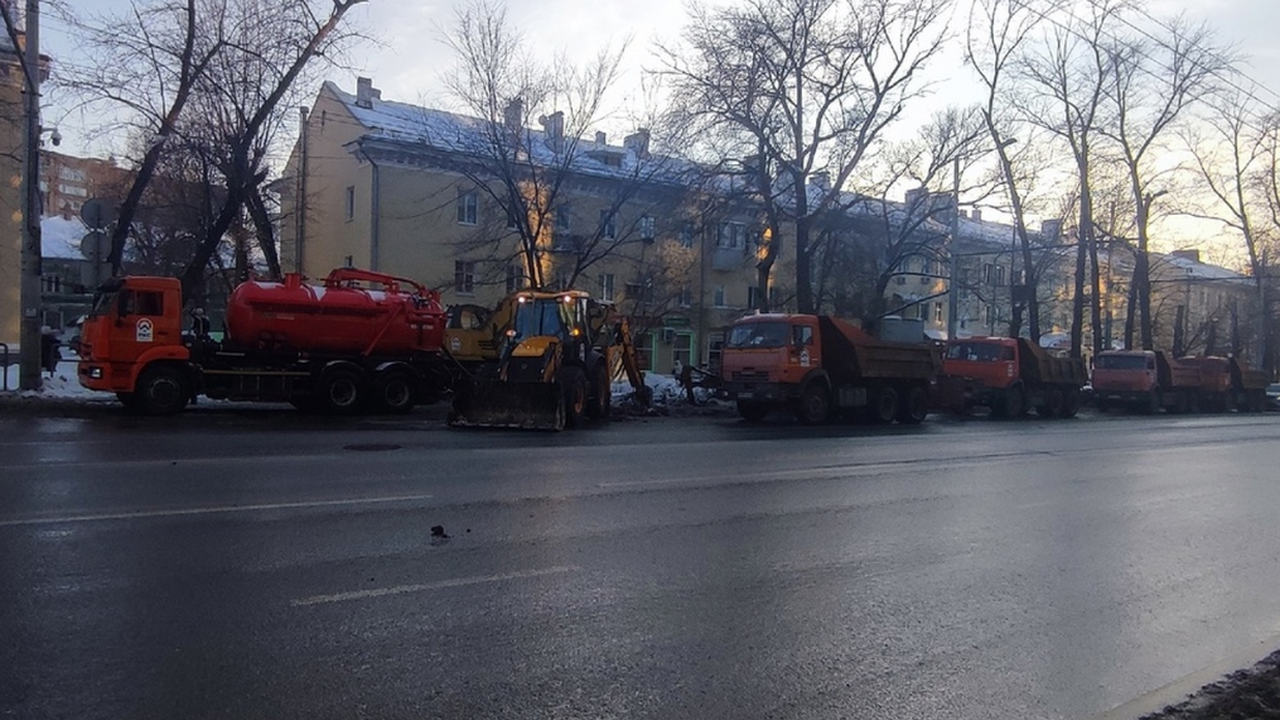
1009	375
820	367
549	360
361	340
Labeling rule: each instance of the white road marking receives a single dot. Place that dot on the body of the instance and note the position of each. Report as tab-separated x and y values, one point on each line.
421	587
212	510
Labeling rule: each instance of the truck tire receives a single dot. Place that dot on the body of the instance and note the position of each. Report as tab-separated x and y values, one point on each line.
884	405
601	394
752	412
1181	402
393	392
574	395
162	390
1011	403
1052	405
341	391
130	401
1155	400
814	405
1070	402
914	406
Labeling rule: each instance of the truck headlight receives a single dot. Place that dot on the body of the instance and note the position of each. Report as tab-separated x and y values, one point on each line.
95	373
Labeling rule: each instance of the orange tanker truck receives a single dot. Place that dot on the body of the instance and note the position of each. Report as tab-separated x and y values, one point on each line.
358	340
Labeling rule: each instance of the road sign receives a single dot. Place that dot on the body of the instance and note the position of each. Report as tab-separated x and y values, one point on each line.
97	213
95	245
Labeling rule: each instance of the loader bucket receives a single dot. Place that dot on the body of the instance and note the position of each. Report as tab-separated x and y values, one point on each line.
497	403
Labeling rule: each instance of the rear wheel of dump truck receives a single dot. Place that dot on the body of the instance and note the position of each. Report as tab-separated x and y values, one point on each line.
752	411
1052	405
814	404
601	390
1070	402
573	395
162	390
914	406
393	392
884	405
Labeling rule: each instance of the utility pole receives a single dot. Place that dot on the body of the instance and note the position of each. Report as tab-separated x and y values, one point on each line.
29	358
953	283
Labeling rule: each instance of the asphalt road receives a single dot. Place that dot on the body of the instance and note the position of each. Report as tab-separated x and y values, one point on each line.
260	564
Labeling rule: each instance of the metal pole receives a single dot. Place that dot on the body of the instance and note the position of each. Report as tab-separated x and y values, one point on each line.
953	282
29	353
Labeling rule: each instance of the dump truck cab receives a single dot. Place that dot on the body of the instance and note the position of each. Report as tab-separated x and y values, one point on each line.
767	357
1009	375
135	323
992	362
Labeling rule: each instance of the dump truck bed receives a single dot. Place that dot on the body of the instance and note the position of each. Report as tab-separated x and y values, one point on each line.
1037	365
852	353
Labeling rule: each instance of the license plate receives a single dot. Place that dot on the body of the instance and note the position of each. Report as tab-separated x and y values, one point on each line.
746	395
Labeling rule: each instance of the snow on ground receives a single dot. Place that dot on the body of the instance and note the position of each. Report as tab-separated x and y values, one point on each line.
667	390
62	385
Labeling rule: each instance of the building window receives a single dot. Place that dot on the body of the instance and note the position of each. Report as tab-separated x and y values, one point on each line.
515	278
349	211
468	207
992	316
999	281
686	235
717	297
682	348
562	219
606	287
731	235
753	298
350	261
464	276
937	312
647	228
512	221
686	296
561	281
988	273
608	224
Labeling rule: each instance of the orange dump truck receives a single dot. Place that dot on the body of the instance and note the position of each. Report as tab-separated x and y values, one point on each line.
1009	375
819	367
1151	380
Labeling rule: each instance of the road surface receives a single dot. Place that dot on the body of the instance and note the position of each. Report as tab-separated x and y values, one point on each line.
261	564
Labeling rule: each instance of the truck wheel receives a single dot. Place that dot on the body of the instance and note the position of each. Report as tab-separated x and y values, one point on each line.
814	405
1052	405
914	407
602	390
1180	402
574	396
884	405
162	391
393	392
341	391
130	401
1011	404
752	412
1070	402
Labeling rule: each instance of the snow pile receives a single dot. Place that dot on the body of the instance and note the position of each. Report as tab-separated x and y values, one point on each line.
62	385
666	389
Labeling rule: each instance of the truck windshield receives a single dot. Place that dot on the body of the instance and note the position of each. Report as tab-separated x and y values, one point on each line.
759	335
1120	362
979	352
542	317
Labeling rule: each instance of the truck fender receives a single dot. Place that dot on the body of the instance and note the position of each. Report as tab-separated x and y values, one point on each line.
176	355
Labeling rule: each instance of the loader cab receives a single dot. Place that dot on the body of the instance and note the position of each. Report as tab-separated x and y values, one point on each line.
563	316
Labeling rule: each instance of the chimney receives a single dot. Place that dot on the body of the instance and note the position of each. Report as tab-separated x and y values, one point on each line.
1192	255
1051	229
637	143
364	92
553	127
513	116
915	197
601	138
977	215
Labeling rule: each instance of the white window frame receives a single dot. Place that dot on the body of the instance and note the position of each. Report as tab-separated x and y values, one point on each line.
464	277
606	287
468	208
349	206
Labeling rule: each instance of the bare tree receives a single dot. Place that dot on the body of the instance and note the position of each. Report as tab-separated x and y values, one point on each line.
1068	74
531	176
212	74
1152	82
1231	155
996	35
807	88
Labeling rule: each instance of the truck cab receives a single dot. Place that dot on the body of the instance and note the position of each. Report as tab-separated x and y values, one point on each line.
1125	375
766	357
1009	375
135	322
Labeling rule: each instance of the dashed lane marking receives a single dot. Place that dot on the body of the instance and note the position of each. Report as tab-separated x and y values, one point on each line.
211	510
423	587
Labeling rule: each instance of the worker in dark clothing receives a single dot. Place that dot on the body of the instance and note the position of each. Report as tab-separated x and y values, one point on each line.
199	323
49	353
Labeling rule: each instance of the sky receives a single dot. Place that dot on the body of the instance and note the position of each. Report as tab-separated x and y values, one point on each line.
410	56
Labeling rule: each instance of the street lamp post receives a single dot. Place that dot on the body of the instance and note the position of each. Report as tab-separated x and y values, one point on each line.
953	289
29	286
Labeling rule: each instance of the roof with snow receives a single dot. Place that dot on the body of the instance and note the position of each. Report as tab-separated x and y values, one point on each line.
414	125
60	237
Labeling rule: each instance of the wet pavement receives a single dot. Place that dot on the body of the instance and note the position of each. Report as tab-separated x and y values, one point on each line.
259	563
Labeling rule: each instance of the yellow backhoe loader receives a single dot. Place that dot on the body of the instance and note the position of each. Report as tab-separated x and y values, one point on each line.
543	360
